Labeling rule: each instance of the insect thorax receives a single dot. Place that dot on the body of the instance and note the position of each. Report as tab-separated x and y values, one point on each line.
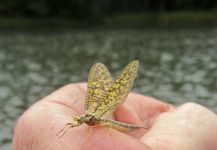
89	119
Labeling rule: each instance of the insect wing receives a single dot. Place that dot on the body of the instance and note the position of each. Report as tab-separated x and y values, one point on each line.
119	90
99	81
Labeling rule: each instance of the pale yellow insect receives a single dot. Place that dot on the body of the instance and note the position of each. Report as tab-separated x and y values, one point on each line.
103	96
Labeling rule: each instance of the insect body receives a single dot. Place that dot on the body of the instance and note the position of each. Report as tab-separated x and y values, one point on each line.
103	96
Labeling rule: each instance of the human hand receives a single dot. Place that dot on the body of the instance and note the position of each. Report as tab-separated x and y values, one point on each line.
187	127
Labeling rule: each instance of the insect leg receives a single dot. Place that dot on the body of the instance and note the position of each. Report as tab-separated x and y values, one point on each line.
65	129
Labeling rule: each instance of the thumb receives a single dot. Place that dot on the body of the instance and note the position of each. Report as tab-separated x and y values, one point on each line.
190	126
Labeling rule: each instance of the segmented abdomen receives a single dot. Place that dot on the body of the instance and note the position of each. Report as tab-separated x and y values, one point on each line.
118	125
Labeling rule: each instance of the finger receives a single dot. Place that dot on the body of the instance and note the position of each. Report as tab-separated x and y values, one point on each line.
38	126
190	126
139	109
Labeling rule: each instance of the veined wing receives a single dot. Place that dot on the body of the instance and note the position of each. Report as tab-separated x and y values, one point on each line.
119	90
99	81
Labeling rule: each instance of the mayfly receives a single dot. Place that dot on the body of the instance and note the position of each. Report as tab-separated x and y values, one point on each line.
103	96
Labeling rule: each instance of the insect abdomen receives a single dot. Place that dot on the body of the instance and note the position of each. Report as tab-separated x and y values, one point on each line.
118	125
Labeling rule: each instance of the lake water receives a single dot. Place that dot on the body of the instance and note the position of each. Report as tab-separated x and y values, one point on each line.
176	66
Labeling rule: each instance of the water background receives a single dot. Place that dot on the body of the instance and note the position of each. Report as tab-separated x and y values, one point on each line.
176	65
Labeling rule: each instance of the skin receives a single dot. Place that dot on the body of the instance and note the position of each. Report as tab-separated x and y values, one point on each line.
187	127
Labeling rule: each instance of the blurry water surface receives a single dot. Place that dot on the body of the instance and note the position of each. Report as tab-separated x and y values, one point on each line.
176	66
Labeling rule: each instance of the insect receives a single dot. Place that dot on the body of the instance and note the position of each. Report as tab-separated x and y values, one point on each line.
103	96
